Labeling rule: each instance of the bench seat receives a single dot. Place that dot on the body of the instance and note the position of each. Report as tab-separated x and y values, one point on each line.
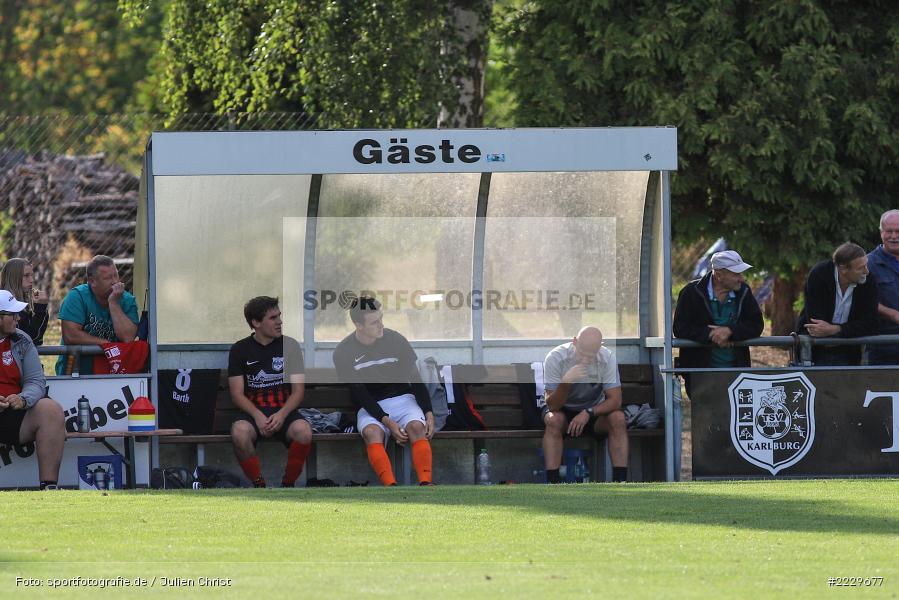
495	395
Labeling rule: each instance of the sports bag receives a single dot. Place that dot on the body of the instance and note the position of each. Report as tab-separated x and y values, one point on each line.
170	478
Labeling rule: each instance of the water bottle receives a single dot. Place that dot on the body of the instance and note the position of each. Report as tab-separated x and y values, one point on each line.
84	415
483	468
101	479
580	470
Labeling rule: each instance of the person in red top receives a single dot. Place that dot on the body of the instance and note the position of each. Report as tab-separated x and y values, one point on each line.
25	414
266	380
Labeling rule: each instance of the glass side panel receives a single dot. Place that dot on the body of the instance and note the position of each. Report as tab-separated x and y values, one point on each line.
599	256
218	244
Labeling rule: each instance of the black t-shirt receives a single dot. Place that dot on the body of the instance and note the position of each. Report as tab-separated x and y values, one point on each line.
383	370
263	368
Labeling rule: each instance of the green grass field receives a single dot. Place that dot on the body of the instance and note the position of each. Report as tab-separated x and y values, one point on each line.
747	540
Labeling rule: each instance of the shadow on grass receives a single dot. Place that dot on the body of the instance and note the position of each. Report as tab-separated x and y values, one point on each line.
677	505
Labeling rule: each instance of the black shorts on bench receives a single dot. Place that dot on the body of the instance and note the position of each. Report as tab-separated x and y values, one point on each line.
570	414
11	425
281	434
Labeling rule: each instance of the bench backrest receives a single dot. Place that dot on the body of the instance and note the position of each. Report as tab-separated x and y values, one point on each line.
495	395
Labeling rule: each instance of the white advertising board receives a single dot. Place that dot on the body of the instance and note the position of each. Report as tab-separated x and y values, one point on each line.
109	397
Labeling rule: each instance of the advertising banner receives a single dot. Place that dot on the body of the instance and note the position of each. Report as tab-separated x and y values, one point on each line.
795	423
109	398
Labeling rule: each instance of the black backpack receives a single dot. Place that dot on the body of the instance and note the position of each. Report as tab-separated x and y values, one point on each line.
463	416
171	478
214	477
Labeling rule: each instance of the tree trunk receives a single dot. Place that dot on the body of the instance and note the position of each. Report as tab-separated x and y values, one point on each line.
471	22
786	292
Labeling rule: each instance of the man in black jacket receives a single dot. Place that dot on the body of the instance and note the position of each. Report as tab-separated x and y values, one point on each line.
840	301
718	309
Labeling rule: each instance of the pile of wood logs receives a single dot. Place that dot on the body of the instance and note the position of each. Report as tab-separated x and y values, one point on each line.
61	210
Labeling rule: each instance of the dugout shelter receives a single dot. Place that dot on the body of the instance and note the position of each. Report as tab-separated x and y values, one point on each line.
485	246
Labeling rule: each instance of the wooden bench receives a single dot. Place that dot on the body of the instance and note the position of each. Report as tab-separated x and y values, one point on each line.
495	394
496	397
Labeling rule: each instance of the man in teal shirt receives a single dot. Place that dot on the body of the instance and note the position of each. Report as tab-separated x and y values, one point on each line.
97	312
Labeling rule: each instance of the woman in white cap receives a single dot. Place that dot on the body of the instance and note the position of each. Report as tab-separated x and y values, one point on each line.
17	276
26	415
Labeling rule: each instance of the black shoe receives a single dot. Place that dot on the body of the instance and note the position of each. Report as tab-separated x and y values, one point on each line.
427	484
259	483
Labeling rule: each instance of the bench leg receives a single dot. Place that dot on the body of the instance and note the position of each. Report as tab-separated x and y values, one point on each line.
402	461
311	468
606	461
639	456
407	465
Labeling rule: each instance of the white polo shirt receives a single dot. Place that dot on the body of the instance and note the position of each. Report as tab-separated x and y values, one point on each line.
602	374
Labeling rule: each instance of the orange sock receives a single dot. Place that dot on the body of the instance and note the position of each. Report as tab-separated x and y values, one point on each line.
296	458
380	462
252	469
421	458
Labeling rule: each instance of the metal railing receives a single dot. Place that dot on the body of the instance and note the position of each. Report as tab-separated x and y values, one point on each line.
803	343
75	351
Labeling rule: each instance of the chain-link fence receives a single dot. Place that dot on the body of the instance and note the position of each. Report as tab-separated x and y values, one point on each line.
69	185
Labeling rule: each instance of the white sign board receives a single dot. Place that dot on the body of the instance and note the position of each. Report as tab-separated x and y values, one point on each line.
109	398
415	151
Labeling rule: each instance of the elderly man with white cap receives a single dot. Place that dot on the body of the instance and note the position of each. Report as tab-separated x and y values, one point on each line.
720	309
25	414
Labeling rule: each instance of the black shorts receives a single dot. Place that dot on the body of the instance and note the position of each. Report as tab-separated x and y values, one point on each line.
11	425
589	428
281	434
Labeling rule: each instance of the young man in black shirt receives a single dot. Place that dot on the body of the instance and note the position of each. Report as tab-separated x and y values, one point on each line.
379	366
265	376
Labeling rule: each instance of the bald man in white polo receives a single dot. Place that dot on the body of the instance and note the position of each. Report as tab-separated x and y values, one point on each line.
583	396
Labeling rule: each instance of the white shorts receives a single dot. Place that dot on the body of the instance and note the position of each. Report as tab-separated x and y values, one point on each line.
401	409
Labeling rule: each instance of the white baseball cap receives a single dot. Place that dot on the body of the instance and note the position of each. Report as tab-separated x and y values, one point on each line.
9	304
729	260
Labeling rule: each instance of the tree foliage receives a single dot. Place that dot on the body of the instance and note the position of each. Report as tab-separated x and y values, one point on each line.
379	63
72	56
786	111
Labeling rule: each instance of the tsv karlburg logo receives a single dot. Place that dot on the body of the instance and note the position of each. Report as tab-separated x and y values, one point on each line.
772	418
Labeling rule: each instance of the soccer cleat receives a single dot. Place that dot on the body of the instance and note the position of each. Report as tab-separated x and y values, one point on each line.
427	484
259	483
